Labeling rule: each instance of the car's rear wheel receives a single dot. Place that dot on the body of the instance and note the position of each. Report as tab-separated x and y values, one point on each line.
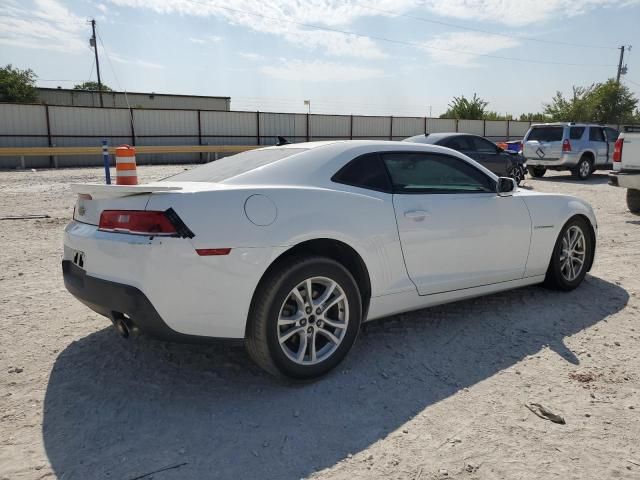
537	172
304	318
572	255
583	169
518	173
633	200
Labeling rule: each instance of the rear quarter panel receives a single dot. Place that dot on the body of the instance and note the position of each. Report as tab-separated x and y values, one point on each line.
363	219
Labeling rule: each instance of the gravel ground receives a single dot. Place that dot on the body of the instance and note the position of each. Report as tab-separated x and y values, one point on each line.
434	394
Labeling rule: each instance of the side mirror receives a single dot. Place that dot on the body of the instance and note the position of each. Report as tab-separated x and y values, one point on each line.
505	186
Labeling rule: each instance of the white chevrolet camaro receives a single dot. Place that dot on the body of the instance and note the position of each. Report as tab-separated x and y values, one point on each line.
292	247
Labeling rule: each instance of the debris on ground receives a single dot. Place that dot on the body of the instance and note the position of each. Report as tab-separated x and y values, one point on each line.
544	413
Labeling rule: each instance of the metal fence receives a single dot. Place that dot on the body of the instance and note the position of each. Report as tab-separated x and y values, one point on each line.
46	125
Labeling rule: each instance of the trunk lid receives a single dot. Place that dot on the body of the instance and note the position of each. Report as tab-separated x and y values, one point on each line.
94	198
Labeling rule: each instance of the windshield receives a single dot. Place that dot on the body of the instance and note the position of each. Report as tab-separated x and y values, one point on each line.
229	167
546	134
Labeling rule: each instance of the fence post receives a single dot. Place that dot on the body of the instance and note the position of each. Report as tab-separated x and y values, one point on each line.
351	128
425	125
508	128
484	127
105	160
133	129
52	161
258	127
456	124
391	128
199	134
308	127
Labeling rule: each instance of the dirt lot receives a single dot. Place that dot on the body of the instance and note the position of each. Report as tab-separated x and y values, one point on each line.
434	394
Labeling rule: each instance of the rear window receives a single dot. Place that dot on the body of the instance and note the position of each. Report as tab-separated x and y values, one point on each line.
366	171
546	134
229	167
575	133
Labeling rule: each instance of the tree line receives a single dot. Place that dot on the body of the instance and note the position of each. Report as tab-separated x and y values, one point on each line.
607	102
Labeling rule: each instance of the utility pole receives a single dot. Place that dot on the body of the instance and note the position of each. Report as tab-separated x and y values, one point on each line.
620	64
94	44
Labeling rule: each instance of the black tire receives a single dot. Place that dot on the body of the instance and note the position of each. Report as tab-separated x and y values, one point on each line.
583	169
633	200
554	278
537	172
518	173
262	330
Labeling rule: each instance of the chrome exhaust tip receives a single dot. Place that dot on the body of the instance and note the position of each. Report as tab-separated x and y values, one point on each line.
123	325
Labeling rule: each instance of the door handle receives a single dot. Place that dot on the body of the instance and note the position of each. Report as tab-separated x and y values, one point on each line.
417	215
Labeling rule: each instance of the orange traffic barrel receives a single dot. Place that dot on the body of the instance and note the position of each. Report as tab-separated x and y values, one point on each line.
126	173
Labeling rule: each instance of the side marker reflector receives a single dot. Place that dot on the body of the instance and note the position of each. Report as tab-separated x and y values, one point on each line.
204	252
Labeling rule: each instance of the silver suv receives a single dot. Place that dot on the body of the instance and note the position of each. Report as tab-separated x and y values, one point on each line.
579	147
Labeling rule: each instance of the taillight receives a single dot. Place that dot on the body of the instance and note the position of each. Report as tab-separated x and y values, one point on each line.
617	150
137	222
566	145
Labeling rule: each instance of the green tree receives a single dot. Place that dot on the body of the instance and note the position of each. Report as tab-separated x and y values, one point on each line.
497	116
464	108
17	85
534	117
613	103
578	108
93	86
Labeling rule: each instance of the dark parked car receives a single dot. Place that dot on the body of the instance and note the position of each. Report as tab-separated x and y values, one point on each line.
504	163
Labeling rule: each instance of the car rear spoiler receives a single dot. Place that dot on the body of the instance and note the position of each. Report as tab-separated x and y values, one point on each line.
98	190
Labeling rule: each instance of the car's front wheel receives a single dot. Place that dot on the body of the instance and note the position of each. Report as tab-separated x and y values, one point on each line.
304	318
633	200
572	255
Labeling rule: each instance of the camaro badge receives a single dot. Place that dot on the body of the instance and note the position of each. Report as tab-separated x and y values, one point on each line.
540	152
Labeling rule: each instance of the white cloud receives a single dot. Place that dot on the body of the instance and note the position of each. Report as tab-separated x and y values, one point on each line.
318	71
42	24
251	56
205	39
444	49
133	61
102	7
517	12
292	20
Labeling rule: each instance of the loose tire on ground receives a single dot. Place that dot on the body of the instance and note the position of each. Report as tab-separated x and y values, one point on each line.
537	172
556	277
633	200
265	323
583	169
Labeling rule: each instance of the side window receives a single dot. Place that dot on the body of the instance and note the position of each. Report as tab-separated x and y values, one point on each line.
434	173
482	145
595	134
366	171
460	144
612	134
575	133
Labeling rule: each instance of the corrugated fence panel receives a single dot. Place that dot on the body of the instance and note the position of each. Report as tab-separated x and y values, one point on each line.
326	127
404	127
471	126
78	121
372	127
496	130
437	125
292	126
23	119
166	122
517	130
229	128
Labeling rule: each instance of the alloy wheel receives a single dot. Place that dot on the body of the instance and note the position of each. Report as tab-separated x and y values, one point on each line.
573	253
313	320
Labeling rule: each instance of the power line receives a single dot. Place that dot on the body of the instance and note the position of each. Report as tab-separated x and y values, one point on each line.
631	81
462	27
397	42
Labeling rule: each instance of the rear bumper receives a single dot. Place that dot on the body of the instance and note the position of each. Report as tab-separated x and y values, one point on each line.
566	160
112	298
625	179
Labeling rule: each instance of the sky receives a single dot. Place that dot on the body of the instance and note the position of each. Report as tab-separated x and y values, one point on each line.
371	57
